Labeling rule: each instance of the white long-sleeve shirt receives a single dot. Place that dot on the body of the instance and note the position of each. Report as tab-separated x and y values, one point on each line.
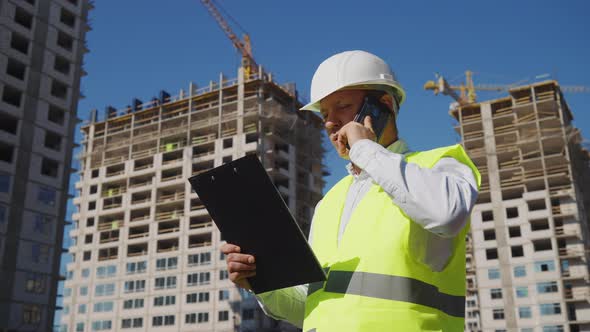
439	199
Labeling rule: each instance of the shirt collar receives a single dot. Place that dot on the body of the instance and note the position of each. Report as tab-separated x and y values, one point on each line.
400	147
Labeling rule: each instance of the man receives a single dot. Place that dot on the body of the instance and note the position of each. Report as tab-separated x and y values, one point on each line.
392	233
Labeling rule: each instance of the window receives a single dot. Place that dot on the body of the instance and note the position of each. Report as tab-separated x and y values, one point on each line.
544	266
519	271
56	115
496	293
87	255
223	316
59	89
93	189
132	323
172	262
491	253
511	212
16	69
47	196
248	314
550	309
101	325
133	304
106	306
164	300
42	224
541	245
95	173
539	224
223	274
31	313
498	314
190	318
90	222
4	183
104	289
489	234
40	253
136	267
517	251
35	283
85	273
171	282
23	17
79	327
12	96
203	317
160	283
487	216
163	320
83	291
527	329
49	167
553	328
67	18
88	238
522	291
514	231
82	309
8	123
3	217
52	141
493	274
19	43
224	294
161	264
547	287
65	41
524	312
67	292
6	152
61	65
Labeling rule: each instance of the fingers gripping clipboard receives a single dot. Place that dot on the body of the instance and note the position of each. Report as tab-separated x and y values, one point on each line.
250	213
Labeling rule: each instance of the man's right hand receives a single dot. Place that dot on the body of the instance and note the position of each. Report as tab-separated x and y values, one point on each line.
239	266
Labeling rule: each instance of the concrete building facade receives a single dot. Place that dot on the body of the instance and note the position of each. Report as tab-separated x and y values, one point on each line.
528	252
41	50
146	254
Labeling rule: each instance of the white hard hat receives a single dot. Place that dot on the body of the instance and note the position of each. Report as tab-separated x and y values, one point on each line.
352	69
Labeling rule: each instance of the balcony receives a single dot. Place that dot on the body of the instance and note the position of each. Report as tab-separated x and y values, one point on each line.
143	153
114	191
168	227
140	215
198	241
571	252
169	215
134	250
562	231
171	197
109	236
168	147
167	245
577	294
112	225
139	232
108	253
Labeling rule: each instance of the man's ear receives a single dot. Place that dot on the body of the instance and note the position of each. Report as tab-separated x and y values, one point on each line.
387	99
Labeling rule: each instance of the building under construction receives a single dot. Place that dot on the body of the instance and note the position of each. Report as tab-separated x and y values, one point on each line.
528	249
146	253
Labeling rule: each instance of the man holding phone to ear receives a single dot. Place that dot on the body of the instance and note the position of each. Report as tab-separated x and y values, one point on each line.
391	234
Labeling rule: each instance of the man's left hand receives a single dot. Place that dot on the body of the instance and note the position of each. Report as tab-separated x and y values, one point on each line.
352	132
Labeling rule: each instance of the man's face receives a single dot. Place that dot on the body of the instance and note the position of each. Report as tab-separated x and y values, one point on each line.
338	109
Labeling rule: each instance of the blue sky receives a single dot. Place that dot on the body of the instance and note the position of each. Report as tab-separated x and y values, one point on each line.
139	47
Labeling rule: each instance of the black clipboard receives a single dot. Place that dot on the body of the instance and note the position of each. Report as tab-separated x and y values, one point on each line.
250	213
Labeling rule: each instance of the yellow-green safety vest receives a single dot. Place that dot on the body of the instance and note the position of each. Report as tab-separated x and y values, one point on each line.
374	282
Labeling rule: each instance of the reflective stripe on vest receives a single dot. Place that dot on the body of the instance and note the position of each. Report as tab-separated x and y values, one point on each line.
390	287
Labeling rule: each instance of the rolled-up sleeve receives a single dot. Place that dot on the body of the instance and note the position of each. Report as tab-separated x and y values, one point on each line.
439	199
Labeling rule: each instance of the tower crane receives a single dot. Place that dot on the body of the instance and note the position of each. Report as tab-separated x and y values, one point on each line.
243	46
467	94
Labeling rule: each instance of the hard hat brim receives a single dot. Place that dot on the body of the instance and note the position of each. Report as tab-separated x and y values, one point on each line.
314	106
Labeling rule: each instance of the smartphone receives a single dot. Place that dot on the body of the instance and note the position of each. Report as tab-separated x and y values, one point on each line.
378	112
